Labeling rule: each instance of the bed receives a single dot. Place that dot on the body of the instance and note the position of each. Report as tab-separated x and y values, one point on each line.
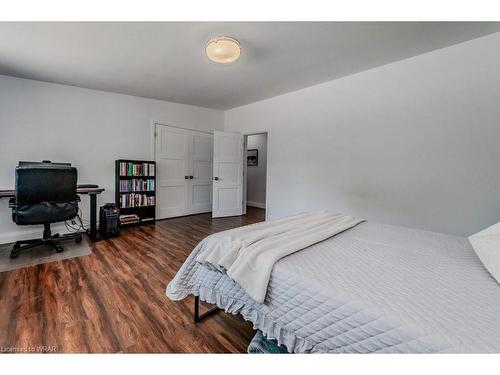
374	288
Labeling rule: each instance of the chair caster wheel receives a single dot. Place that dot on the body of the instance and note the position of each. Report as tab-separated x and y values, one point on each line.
59	249
78	239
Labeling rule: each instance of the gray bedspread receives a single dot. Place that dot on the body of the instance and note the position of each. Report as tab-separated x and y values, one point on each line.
373	288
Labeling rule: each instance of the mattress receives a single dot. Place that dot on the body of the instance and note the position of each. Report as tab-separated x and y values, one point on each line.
374	288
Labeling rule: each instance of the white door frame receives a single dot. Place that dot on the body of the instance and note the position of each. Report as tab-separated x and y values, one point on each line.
245	135
245	176
152	135
230	180
197	178
152	138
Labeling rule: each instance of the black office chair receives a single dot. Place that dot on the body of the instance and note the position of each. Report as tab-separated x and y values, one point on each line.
45	194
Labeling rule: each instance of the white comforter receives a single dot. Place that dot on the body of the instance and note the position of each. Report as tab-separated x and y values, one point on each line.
248	255
372	288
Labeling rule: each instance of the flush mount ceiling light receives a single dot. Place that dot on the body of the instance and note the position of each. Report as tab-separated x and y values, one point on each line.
223	50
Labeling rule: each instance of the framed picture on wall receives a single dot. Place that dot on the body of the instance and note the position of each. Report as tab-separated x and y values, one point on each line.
252	157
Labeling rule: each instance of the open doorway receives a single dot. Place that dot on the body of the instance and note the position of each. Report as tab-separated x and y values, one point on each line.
256	171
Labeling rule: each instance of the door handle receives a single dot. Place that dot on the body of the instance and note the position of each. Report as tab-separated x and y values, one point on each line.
216	178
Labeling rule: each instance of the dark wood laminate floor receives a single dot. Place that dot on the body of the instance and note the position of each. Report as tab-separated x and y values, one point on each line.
114	299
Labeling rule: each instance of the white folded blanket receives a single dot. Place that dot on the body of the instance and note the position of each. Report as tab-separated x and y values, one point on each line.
248	255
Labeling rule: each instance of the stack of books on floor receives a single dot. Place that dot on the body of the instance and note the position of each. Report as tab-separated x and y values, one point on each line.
129	219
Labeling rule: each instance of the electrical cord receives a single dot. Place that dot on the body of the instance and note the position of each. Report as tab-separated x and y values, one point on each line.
83	220
73	227
82	225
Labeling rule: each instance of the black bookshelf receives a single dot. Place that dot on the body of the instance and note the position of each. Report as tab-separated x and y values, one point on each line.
135	190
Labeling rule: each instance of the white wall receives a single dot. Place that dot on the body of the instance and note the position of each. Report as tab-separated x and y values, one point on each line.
88	128
415	143
256	175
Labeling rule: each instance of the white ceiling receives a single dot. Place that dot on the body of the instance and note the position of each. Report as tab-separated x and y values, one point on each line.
166	60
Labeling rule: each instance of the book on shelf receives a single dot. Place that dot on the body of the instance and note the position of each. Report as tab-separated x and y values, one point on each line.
129	219
137	185
137	169
136	200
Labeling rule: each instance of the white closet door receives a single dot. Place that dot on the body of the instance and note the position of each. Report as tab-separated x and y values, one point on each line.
200	182
172	154
228	174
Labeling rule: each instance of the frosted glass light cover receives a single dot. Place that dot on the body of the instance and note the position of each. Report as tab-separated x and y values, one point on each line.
223	50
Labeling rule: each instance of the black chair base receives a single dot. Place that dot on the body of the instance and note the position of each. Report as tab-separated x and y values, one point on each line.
48	239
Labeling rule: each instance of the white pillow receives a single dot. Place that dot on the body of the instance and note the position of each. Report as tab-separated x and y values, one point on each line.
486	244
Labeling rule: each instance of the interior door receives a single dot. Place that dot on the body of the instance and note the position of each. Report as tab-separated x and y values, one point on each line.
228	174
200	178
172	145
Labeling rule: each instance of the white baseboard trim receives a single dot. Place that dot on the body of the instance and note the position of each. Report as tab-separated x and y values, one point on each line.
256	204
31	233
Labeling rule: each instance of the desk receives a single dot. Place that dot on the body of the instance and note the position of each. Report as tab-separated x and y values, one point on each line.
91	192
